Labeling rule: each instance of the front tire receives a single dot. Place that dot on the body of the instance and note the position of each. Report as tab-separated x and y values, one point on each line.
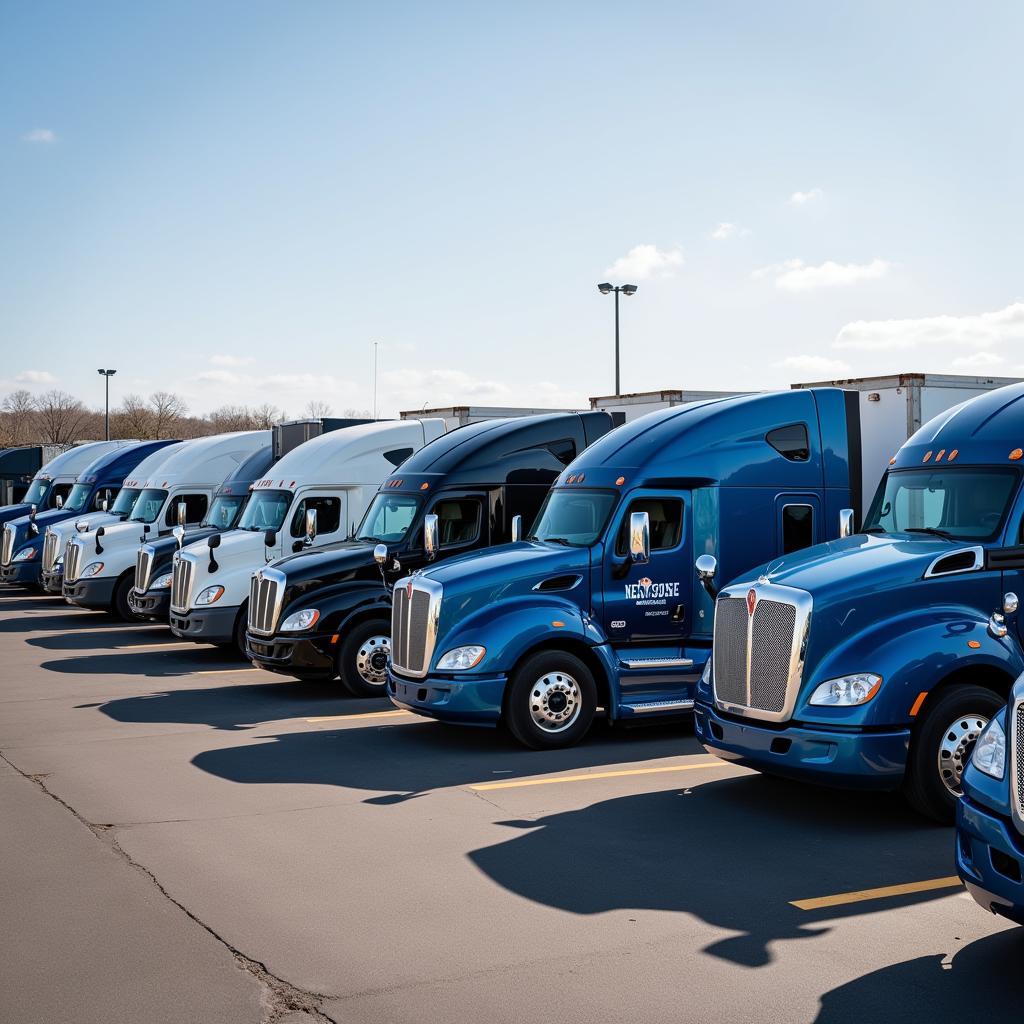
942	748
119	604
363	659
551	701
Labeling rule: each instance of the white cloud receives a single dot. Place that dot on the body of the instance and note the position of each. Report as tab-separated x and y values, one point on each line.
644	261
797	276
218	377
44	135
977	361
803	198
978	330
227	360
816	367
36	377
725	230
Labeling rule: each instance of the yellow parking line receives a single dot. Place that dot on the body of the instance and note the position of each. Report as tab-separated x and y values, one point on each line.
517	783
840	899
362	714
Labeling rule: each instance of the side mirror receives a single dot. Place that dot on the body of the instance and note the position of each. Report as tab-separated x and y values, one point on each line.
846	526
707	568
105	504
1010	603
81	526
310	525
99	533
639	538
32	528
182	513
213	541
59	501
430	535
380	554
179	533
32	511
517	528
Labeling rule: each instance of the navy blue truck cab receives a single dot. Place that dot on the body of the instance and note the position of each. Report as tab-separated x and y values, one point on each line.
150	597
990	814
875	661
600	604
96	487
326	613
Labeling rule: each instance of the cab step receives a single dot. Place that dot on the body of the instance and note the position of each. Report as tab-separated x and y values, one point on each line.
659	705
640	663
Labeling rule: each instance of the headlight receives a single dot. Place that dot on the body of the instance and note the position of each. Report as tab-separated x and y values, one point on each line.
162	582
25	555
209	595
990	751
705	676
90	570
461	658
847	691
300	620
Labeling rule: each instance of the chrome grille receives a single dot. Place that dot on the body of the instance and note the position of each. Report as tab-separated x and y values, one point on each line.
50	542
266	595
73	561
181	582
758	653
7	547
1017	759
415	606
143	568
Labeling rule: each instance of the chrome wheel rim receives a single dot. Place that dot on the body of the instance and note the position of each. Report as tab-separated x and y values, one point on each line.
372	660
955	749
555	702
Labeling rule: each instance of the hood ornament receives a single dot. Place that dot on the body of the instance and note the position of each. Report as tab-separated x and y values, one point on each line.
751	601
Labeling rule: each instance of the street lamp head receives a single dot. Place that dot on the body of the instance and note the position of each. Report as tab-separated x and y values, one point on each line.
629	289
107	373
605	288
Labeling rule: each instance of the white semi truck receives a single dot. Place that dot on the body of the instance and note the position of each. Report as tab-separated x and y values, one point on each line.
315	495
99	565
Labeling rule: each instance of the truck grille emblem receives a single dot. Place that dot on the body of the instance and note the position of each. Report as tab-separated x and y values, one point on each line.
408	591
751	601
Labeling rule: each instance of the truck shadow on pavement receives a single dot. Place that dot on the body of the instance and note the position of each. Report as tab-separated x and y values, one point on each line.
982	982
70	619
734	852
107	634
401	759
158	664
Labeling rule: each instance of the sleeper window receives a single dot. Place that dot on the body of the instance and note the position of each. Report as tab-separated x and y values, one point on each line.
797	527
790	442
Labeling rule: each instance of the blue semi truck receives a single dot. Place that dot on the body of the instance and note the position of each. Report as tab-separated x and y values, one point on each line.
599	605
875	661
96	486
990	814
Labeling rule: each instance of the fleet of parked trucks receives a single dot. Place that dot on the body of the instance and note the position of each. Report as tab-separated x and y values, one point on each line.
826	578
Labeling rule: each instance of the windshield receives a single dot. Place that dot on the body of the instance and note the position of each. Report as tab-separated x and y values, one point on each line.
147	506
388	518
967	504
78	498
224	511
266	510
125	501
573	517
36	492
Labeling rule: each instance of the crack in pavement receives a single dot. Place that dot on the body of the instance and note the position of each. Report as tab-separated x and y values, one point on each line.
280	997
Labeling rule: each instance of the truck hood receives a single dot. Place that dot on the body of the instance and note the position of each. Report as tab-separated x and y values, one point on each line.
66	529
9	512
164	547
240	554
333	561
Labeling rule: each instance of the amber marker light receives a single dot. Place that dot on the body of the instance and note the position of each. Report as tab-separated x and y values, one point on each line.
579	479
424	487
917	703
941	453
953	454
1016	454
558	624
620	481
927	456
974	644
892	461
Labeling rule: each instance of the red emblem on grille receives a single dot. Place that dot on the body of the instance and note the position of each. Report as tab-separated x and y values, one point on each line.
408	591
751	601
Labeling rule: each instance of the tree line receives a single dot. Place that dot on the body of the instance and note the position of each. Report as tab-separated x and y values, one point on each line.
56	417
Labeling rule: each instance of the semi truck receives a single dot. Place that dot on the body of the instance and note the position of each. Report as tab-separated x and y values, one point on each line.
150	596
96	488
876	660
314	496
57	535
990	814
19	465
99	565
326	614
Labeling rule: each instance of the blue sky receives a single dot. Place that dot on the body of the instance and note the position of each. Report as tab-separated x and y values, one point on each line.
235	200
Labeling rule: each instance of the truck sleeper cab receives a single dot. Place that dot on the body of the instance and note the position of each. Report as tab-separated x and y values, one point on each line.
990	814
96	482
875	661
150	596
326	614
329	480
99	565
600	605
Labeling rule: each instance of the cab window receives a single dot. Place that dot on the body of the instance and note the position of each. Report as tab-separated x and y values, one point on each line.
104	494
328	515
458	521
790	442
666	516
797	527
195	508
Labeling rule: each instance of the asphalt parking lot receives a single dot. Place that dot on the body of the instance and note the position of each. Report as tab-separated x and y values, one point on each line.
186	838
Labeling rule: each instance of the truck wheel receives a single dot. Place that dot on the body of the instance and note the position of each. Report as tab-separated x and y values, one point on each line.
241	622
363	659
942	748
119	605
551	701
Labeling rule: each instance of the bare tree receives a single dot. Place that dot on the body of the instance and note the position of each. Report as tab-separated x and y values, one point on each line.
167	410
266	415
315	409
231	417
19	418
60	417
133	418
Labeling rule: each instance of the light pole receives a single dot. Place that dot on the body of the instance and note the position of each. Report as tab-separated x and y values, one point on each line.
107	374
626	289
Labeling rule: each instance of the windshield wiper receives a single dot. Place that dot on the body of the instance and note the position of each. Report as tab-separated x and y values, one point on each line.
933	530
558	540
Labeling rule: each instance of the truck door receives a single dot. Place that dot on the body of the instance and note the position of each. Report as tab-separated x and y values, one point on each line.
649	602
330	518
797	522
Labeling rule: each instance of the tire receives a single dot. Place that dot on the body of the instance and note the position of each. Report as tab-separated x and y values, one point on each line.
241	621
942	746
119	606
551	701
363	657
